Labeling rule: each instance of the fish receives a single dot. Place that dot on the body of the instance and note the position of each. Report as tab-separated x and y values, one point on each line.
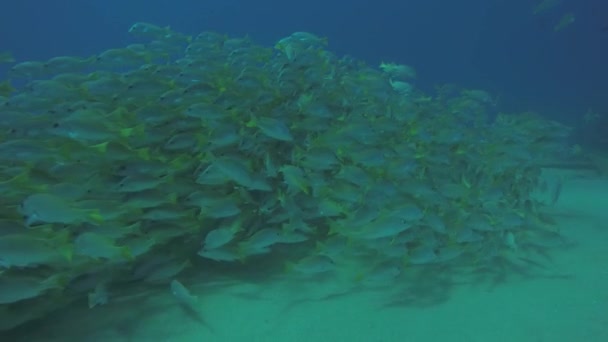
221	236
556	191
6	88
400	71
148	30
17	288
422	255
380	275
214	205
28	69
235	169
565	21
167	213
49	208
18	250
99	296
24	150
183	295
150	198
312	265
402	88
166	269
545	5
141	182
295	44
224	253
68	64
385	225
6	57
272	128
295	179
317	158
97	246
260	242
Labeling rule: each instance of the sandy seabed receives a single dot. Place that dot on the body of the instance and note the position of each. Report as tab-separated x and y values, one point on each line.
571	306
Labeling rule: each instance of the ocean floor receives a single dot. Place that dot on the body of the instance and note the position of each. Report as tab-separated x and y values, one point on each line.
567	302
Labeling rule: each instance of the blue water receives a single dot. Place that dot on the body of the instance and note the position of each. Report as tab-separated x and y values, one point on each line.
496	45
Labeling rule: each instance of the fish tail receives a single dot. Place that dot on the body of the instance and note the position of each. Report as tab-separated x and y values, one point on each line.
138	130
96	216
55	281
125	252
68	254
101	148
172	198
144	153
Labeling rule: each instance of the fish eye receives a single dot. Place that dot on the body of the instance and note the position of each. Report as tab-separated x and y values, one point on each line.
56	124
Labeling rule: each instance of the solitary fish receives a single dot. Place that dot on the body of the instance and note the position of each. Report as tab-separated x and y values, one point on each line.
183	295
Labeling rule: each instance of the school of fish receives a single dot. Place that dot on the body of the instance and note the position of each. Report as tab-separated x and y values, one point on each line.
147	161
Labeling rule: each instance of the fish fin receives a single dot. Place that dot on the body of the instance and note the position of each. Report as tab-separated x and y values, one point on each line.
251	123
20	179
96	216
92	300
102	148
144	153
134	228
68	253
30	220
138	130
56	281
289	266
125	252
172	198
